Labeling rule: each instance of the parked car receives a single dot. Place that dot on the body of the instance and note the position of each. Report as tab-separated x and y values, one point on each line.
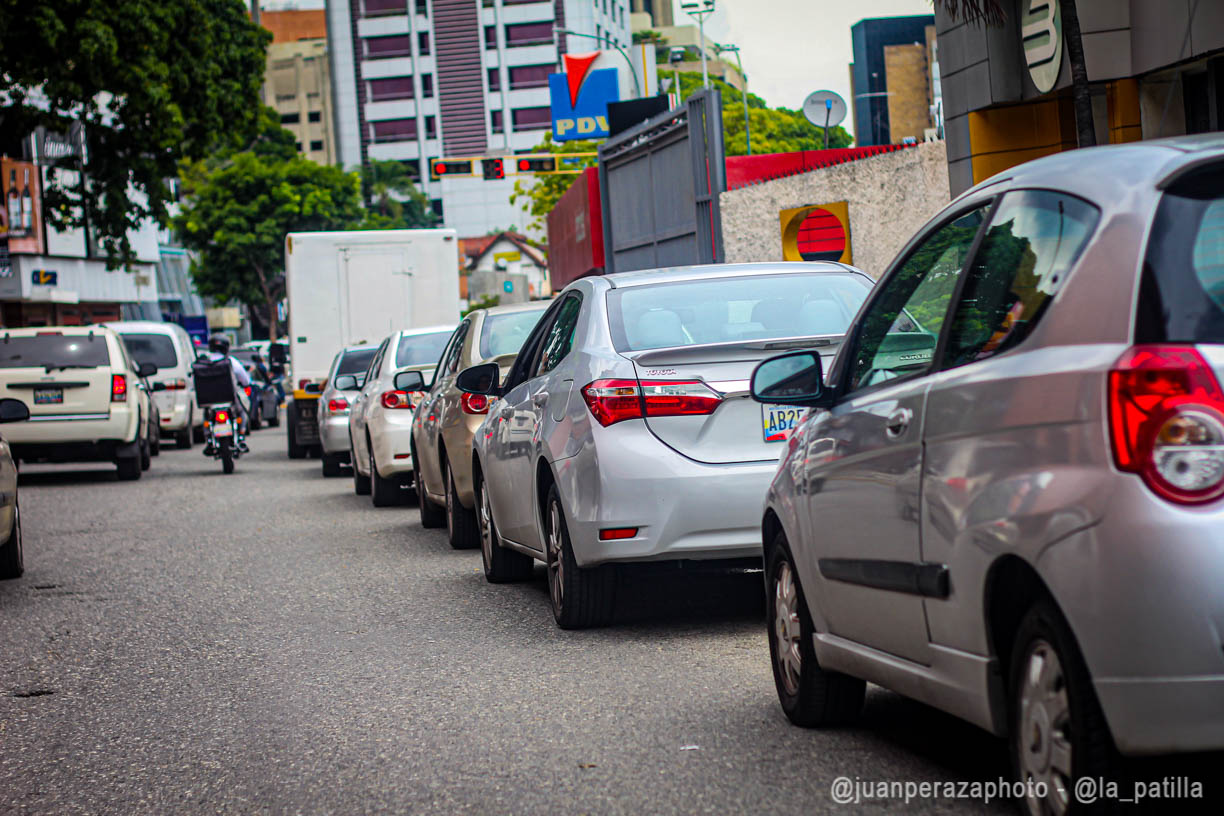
334	405
263	395
87	397
1012	511
380	423
624	431
447	417
12	559
169	347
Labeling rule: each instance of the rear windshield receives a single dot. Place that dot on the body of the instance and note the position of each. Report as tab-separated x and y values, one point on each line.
54	351
157	349
505	333
727	310
356	362
421	349
1181	295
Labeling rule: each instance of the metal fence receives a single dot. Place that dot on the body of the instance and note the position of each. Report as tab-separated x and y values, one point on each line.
659	185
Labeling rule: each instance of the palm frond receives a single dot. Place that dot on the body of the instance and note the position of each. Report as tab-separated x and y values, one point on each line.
988	11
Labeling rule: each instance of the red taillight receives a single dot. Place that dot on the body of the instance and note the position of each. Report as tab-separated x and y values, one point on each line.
1166	420
617	533
118	388
221	416
247	389
176	385
396	399
612	401
303	383
338	406
474	403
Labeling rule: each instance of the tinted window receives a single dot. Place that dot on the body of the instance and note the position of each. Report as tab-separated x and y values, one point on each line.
54	350
1181	296
560	336
420	349
355	362
506	333
725	310
157	349
1033	241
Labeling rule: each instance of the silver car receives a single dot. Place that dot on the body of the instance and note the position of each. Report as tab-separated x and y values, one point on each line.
335	403
1009	504
624	431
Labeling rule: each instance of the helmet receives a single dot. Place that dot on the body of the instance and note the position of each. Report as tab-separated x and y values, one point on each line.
219	343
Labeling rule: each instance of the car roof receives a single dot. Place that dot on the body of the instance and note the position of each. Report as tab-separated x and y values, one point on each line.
426	330
142	325
644	277
31	331
511	308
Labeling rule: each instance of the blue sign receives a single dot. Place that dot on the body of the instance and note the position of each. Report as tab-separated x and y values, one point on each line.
44	277
508	286
579	98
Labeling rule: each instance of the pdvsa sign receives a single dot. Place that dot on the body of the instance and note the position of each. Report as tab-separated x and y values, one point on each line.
1042	35
579	98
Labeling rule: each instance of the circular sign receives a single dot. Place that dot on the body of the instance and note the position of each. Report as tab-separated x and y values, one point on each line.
1041	35
821	237
824	109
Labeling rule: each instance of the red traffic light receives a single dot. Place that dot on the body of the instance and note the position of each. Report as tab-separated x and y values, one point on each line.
451	167
538	164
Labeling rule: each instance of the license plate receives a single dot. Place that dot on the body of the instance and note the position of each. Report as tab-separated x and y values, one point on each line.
222	429
780	421
48	396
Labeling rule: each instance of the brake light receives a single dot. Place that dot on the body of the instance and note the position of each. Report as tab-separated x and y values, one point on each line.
474	403
338	406
1166	418
247	389
396	399
221	416
176	385
612	401
118	388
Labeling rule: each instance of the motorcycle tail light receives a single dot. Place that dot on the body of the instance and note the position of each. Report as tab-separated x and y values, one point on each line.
221	416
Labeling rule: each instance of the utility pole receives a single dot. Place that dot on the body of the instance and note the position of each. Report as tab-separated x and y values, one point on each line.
255	11
735	49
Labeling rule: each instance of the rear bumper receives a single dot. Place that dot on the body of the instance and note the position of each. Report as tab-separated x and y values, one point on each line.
119	424
391	435
174	417
102	450
334	434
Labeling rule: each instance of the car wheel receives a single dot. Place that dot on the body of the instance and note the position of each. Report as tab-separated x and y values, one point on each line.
810	696
256	419
295	450
197	434
432	516
361	484
12	559
146	460
129	469
1058	732
580	596
331	465
155	442
184	438
274	418
383	492
461	528
500	564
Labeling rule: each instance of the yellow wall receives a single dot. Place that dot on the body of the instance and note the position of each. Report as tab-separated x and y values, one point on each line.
1125	120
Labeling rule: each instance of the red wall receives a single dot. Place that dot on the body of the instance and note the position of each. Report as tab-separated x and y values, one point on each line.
743	170
575	232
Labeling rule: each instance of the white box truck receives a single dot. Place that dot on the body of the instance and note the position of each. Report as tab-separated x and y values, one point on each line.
349	288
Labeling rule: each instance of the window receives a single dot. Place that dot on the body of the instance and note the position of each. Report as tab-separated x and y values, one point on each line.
376	362
440	368
157	349
531	118
529	34
393	130
431	127
495	122
422	8
427	86
316	144
420	349
530	76
506	333
494	76
297	146
380	90
399	45
436	205
490	35
898	333
450	363
1033	241
423	43
355	362
290	118
314	116
374	8
560	335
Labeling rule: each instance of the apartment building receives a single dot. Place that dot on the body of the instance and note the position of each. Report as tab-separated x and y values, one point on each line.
416	80
297	82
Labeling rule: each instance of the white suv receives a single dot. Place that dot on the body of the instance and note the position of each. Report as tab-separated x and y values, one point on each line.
88	400
169	347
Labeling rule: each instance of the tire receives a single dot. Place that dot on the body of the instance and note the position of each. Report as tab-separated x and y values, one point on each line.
432	516
155	442
461	529
274	420
184	438
501	566
256	419
227	458
361	484
146	460
296	451
129	470
810	696
581	597
197	434
383	492
331	465
1065	728
12	559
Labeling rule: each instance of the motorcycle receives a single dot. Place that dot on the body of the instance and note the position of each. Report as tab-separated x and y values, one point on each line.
222	434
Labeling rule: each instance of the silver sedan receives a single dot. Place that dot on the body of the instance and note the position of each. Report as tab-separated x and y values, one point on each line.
624	431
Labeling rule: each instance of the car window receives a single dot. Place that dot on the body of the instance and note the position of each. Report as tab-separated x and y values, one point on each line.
505	333
356	362
899	330
451	364
420	349
525	361
375	366
560	335
1032	242
53	350
154	348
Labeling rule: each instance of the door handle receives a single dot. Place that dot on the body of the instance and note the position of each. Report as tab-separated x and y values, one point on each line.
539	399
898	423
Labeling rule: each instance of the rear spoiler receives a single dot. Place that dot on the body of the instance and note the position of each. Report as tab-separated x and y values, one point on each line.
733	350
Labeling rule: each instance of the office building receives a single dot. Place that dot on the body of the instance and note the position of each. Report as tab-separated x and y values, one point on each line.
298	80
891	77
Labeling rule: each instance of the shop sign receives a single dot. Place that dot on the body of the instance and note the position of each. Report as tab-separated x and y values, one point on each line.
1041	35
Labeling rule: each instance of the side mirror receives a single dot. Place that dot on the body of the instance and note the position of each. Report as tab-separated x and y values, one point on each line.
409	381
146	369
480	379
13	410
346	382
159	386
796	378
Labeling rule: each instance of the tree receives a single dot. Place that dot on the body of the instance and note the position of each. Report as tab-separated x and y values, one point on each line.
394	196
537	198
236	216
991	13
153	83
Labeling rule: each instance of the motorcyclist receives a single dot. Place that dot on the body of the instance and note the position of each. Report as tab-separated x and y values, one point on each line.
218	349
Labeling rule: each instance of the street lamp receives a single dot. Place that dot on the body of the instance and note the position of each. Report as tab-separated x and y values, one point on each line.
637	86
735	49
700	9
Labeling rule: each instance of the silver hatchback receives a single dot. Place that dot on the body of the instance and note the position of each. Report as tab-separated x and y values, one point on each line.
1008	501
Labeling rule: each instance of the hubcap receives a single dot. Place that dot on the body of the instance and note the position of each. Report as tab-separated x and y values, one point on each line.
786	629
1044	732
486	528
556	568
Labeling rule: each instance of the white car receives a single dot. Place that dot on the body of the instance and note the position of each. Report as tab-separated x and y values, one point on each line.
169	347
380	417
88	400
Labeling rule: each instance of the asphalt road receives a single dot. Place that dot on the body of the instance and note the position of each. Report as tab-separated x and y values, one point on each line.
270	642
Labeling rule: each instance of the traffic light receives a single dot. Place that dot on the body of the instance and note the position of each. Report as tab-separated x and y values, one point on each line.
492	169
537	164
451	167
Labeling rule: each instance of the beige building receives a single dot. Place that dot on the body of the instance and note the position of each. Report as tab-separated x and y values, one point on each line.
910	92
689	38
298	81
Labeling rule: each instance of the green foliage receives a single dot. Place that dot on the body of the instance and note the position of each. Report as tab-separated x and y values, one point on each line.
154	83
395	201
485	302
537	199
649	36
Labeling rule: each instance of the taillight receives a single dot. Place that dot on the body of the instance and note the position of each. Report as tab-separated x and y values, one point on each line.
474	403
176	385
396	399
118	388
1166	418
337	406
303	383
612	401
221	416
247	389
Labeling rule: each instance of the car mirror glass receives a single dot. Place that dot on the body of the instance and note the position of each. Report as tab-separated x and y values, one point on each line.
789	379
346	382
480	379
146	369
13	410
409	381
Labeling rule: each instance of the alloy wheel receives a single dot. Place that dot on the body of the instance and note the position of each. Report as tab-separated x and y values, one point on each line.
556	566
486	527
1044	733
787	631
